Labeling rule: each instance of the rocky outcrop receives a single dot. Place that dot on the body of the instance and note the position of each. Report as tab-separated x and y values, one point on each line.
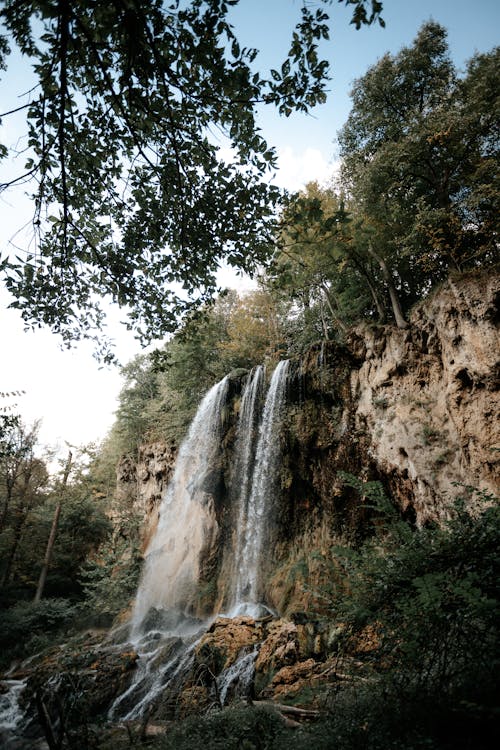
416	409
428	398
141	483
290	662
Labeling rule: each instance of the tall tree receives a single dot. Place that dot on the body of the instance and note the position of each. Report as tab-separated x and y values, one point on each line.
17	446
133	199
23	481
53	531
322	263
420	156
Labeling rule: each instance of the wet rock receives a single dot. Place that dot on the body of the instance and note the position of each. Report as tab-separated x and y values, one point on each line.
193	700
220	647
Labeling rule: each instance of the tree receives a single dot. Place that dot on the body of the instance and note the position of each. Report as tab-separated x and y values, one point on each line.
255	331
322	264
17	445
23	478
133	200
53	532
82	524
419	150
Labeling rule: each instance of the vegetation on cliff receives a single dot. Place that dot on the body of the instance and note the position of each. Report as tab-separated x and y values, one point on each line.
416	605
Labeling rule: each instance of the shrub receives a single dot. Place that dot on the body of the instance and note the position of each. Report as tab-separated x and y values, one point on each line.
29	627
229	729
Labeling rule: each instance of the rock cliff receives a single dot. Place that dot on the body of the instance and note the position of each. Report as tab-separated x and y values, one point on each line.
140	483
416	409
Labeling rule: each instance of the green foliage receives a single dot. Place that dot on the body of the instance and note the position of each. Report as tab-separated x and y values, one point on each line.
110	577
374	717
432	593
23	489
162	392
83	525
417	195
418	152
229	729
309	266
28	627
133	199
430	598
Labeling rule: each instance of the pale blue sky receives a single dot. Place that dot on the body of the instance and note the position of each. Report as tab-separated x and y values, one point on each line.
473	25
75	398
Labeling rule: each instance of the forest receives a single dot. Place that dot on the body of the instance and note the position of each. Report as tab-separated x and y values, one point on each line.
414	206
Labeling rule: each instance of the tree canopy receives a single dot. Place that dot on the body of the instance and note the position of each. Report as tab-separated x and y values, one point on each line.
420	159
133	199
417	197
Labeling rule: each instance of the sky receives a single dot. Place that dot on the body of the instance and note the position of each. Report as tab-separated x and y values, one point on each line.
73	395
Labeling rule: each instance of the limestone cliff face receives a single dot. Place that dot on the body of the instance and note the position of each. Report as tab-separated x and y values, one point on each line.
141	483
416	409
428	398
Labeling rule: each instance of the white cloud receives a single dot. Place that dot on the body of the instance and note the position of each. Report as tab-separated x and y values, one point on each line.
296	169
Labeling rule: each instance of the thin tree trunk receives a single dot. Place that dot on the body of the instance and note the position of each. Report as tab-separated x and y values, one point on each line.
378	304
53	532
18	530
323	320
396	306
22	515
333	313
9	485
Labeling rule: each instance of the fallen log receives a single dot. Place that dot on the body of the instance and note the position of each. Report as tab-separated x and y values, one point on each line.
305	713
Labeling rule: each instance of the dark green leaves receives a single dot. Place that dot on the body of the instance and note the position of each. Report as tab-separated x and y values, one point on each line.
143	207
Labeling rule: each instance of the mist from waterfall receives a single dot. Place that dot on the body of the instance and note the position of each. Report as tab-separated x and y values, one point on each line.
187	522
255	507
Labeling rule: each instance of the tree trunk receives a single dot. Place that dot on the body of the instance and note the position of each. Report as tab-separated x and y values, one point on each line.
378	304
22	515
18	529
53	532
323	320
9	486
333	313
396	306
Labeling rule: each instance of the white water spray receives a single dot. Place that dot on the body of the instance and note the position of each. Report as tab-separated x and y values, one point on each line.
263	489
187	523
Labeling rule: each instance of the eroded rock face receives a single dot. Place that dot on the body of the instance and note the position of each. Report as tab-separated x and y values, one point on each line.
141	483
225	640
415	409
291	661
428	397
76	681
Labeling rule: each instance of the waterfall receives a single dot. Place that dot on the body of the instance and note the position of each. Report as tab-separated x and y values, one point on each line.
244	455
188	528
187	522
11	715
238	677
251	537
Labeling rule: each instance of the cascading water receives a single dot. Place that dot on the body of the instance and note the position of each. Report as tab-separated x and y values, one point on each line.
238	677
187	522
11	716
188	526
164	631
244	456
247	586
